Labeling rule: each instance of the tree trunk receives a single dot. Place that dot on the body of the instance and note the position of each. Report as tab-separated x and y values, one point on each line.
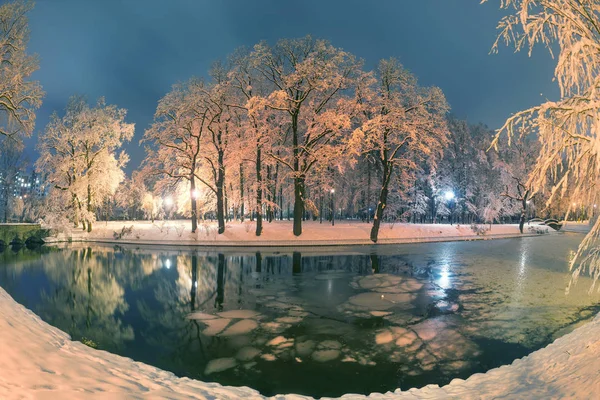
259	192
280	202
368	192
242	192
194	205
523	212
298	205
89	207
298	179
387	172
269	195
321	207
220	194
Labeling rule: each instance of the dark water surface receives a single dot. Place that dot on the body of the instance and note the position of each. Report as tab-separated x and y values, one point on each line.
323	323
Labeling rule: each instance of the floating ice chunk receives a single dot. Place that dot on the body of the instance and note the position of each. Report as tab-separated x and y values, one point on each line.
296	313
201	316
268	357
277	341
406	340
445	306
215	326
261	340
289	320
280	305
247	353
373	301
325	355
380	313
241	327
384	337
330	344
250	365
379	280
348	359
275	327
305	348
239	314
219	364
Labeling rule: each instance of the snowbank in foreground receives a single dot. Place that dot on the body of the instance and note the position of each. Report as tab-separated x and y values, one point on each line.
281	231
40	361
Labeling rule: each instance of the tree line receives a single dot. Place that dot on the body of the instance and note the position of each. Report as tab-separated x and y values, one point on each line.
298	128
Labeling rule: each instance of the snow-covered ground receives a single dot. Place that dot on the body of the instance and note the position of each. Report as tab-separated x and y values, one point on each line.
280	232
40	361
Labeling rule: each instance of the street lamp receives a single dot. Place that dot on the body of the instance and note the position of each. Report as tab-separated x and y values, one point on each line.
332	208
195	194
168	203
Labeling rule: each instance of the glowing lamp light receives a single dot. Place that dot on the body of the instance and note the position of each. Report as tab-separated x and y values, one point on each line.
195	194
167	263
168	201
332	190
449	195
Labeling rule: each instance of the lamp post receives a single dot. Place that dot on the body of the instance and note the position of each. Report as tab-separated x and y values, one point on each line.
332	208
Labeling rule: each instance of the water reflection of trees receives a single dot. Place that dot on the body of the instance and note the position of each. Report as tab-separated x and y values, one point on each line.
87	299
89	289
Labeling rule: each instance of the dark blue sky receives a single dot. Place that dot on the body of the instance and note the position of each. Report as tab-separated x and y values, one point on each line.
132	51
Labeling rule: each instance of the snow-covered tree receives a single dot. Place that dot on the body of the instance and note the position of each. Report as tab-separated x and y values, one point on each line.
250	88
309	78
151	205
19	96
79	153
568	128
515	164
130	194
176	138
403	124
11	162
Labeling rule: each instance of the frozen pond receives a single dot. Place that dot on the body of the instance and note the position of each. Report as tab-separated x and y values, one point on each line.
324	323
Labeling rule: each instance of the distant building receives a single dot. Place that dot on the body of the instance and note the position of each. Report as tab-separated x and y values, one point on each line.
29	185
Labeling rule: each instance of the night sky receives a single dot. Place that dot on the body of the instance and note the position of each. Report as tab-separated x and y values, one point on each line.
132	51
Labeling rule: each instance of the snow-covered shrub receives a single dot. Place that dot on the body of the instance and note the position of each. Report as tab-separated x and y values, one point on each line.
248	226
180	229
209	231
125	231
162	226
537	229
479	230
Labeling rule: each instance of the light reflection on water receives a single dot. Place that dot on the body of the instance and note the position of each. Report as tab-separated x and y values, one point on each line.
309	323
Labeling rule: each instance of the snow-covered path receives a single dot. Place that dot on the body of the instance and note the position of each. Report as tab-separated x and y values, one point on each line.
40	361
279	233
